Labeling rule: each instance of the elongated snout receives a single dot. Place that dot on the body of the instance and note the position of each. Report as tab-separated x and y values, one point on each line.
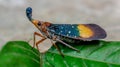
29	13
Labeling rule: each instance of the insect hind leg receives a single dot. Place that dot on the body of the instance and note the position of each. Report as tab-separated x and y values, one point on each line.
67	45
57	48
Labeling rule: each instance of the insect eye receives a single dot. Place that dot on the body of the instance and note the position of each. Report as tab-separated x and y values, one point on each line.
39	23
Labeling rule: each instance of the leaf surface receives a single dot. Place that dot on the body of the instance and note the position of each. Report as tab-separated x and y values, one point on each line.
92	54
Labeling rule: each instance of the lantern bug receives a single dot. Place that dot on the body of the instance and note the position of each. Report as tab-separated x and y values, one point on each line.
65	32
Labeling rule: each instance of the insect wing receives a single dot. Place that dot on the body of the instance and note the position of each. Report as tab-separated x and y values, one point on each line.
78	31
91	32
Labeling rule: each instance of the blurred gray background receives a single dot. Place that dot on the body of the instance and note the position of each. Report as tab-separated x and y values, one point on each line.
15	26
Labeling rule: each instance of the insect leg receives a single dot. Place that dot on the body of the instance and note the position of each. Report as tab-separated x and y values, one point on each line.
36	43
67	45
57	48
54	38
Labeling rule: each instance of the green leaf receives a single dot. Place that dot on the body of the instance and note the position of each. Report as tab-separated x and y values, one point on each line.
19	54
92	54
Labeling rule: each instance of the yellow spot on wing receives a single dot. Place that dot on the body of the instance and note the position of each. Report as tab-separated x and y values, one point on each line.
84	31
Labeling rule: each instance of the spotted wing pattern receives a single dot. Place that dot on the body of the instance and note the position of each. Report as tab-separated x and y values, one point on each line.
65	29
78	31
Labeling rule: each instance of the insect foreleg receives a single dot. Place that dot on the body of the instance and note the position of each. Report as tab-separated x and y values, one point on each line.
67	45
36	43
